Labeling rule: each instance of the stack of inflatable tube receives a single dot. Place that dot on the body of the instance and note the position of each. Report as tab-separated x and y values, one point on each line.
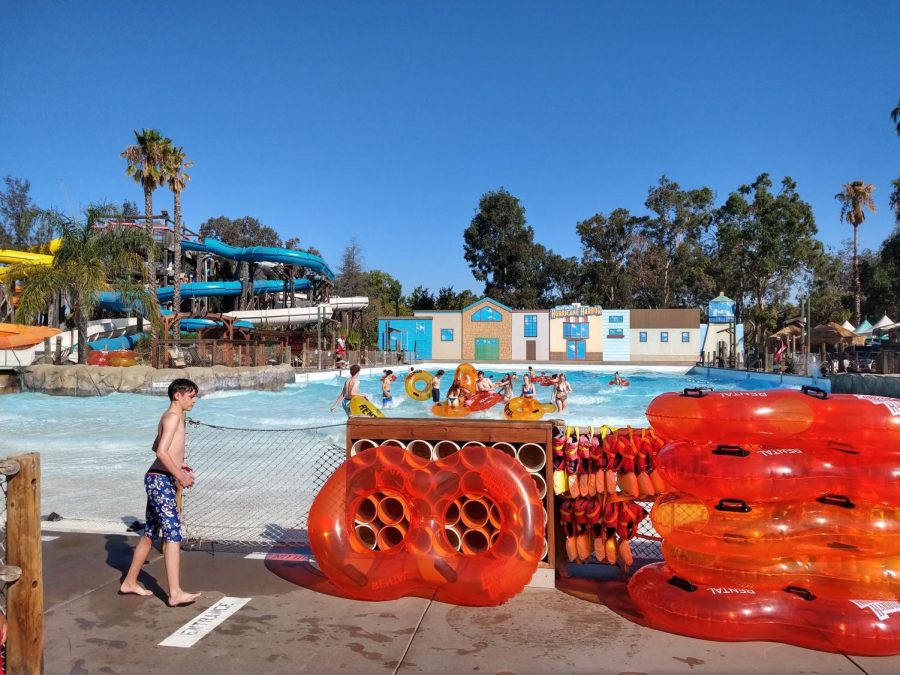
603	471
120	357
786	525
486	499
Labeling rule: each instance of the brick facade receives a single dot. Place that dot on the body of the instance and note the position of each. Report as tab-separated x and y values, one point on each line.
471	330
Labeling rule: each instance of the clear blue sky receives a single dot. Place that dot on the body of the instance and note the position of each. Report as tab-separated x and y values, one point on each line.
388	120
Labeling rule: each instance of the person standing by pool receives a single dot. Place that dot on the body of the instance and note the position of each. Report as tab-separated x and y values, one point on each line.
561	391
387	401
349	390
161	480
436	386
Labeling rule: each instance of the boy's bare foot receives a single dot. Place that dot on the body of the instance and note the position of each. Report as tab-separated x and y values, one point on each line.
134	589
182	598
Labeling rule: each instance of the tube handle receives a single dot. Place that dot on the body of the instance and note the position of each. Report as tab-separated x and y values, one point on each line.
731	451
683	584
696	392
836	500
733	506
800	591
815	392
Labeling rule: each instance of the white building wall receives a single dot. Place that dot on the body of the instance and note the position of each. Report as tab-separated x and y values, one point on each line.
616	348
542	341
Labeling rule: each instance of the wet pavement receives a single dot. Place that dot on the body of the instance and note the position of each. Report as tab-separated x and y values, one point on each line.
251	619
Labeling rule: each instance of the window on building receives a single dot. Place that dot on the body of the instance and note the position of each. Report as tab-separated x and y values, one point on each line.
446	335
487	314
576	330
685	336
664	336
642	336
616	318
531	325
615	333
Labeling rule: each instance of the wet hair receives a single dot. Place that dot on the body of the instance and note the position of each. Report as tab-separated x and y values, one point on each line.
388	372
182	385
354	369
440	372
481	372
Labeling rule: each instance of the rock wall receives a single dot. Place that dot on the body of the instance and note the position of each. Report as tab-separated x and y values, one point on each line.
103	380
859	383
9	383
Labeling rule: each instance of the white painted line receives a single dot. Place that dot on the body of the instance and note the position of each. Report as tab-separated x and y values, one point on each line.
193	631
279	557
48	538
87	527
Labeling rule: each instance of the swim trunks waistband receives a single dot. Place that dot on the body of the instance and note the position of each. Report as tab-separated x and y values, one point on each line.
160	472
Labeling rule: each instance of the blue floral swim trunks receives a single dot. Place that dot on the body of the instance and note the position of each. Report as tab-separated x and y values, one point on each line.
162	511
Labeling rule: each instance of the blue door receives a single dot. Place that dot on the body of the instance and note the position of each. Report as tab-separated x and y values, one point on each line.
575	350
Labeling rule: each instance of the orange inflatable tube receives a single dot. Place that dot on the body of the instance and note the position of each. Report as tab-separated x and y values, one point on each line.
465	376
446	410
778	474
724	611
424	560
831	575
780	417
832	525
521	408
482	400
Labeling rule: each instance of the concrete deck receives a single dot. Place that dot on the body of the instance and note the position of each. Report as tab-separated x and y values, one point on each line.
288	628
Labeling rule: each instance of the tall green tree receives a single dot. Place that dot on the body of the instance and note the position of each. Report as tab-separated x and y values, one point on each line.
421	299
678	223
20	226
606	243
855	198
351	277
175	166
770	237
89	260
501	252
241	232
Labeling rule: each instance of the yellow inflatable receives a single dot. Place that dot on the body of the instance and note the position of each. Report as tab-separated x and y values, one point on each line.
521	408
363	407
412	382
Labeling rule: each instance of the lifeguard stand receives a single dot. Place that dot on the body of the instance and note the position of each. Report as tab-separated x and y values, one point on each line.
722	329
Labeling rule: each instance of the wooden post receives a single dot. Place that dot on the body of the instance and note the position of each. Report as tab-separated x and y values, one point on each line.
48	355
25	604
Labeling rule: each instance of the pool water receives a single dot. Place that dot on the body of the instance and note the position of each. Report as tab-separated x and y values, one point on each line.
95	450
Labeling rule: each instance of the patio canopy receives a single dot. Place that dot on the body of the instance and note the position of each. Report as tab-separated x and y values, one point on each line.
864	328
791	330
849	326
882	322
833	334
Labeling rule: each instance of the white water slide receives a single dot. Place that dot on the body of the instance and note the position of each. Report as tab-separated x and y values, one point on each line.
299	315
105	328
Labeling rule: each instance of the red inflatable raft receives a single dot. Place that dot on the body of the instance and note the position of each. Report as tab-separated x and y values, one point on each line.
778	474
862	627
782	417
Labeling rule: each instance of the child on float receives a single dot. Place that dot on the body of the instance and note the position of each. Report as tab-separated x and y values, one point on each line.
349	390
161	481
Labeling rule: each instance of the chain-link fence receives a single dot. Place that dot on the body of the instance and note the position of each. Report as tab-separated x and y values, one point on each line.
254	486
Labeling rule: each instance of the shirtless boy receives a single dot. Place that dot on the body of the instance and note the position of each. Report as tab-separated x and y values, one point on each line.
167	471
349	390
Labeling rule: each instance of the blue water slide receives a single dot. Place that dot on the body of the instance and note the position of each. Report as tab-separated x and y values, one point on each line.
210	289
112	302
260	254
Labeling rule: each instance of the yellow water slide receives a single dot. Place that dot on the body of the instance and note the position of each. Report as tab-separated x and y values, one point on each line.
37	255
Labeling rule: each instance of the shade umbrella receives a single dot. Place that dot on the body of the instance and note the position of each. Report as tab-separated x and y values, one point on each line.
848	326
864	328
882	322
833	334
791	330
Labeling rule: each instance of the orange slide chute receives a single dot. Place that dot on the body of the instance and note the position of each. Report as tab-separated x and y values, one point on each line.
17	336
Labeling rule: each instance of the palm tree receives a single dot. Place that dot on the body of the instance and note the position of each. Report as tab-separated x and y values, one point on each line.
895	116
855	197
89	260
175	165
